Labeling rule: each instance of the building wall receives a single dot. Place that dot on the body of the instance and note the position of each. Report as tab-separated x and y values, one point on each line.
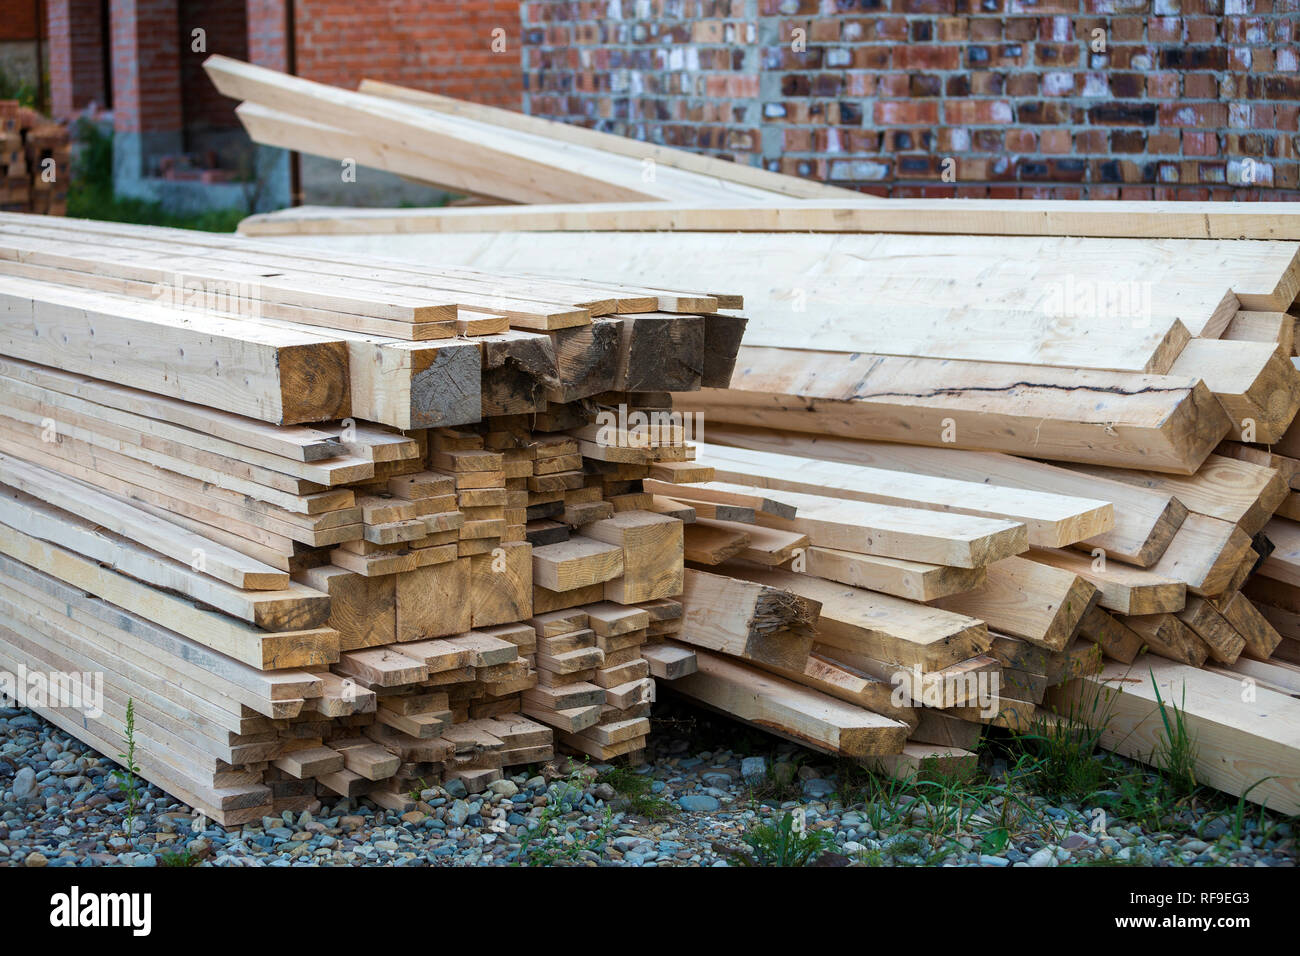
441	45
1153	99
76	56
225	31
1142	99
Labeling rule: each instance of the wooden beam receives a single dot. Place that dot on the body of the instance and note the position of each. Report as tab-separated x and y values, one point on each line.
207	557
798	713
1032	601
1230	489
1255	383
746	619
1161	423
1051	520
1124	589
260	649
962	541
905	579
968	217
1145	521
886	629
248	368
793	186
1244	748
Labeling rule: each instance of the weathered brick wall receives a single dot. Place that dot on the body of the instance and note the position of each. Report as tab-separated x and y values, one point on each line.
76	60
146	66
225	31
441	45
1142	99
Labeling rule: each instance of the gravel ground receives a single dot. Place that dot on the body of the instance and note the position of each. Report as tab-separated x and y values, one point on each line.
692	805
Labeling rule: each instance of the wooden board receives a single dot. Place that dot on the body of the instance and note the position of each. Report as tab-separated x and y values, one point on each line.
1238	743
1145	521
877	626
1124	589
797	712
1051	520
746	619
906	579
968	217
283	376
1157	422
1035	602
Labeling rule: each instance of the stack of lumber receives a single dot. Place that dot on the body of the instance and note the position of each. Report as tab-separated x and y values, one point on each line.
35	155
482	151
993	589
1099	351
337	527
1117	379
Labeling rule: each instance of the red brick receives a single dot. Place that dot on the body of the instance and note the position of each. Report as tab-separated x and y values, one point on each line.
977	112
906	113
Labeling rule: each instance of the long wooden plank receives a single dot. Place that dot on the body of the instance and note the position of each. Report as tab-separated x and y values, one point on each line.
792	186
264	650
289	118
1242	492
176	658
906	579
1205	555
227	806
512	165
1255	382
1249	748
1051	520
878	626
966	217
1065	302
1145	521
244	367
1124	589
162	436
508	283
783	707
1161	423
220	562
747	619
222	471
1034	602
912	534
300	443
253	687
143	485
350	298
836	679
290	607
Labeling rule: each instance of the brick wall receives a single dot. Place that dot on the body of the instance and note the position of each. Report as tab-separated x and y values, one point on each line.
266	39
76	59
1140	99
439	45
225	31
146	66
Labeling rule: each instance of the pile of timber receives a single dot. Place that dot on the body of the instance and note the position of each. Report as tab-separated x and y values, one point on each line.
992	589
1117	379
337	527
35	161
